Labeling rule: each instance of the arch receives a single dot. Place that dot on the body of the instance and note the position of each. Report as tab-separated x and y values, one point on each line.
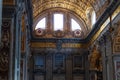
58	21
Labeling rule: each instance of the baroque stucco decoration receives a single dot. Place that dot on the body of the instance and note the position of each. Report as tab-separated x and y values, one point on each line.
95	59
81	8
78	6
116	38
5	49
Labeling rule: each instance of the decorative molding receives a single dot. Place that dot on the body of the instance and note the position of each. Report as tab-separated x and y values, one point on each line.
59	45
43	45
116	39
5	48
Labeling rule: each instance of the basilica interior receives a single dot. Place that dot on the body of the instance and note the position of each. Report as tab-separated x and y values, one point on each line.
59	39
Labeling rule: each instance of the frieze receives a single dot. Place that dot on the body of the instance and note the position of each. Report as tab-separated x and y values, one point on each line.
72	45
43	45
59	45
54	40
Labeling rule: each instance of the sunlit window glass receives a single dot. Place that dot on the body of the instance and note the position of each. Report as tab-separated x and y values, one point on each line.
75	25
41	24
93	18
58	22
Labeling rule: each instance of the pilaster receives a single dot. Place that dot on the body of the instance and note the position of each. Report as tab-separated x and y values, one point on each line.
86	65
0	19
49	67
102	42
109	55
106	50
69	67
17	45
11	63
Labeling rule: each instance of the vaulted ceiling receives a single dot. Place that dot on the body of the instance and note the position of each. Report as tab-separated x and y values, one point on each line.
79	7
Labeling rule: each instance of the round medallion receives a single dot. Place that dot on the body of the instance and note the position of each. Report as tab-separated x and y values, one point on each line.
39	32
77	33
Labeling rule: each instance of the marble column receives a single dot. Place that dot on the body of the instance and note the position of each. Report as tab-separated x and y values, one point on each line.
11	51
103	52
69	67
25	68
109	56
0	18
17	47
49	65
106	49
86	65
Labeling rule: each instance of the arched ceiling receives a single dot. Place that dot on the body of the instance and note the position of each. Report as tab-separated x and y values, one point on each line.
79	7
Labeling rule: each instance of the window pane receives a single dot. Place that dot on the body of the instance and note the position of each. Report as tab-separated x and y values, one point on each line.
75	25
41	24
58	22
93	18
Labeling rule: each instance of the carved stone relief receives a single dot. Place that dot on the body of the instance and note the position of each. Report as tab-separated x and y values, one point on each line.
4	50
116	37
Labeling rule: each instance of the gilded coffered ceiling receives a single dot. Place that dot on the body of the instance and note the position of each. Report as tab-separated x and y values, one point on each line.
79	7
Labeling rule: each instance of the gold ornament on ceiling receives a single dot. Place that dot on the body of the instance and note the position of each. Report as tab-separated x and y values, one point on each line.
79	7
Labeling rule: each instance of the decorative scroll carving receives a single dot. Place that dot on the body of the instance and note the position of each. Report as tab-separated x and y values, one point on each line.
4	59
58	33
116	37
4	50
78	7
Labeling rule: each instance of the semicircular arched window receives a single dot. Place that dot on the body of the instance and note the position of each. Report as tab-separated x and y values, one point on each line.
41	24
60	25
75	25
